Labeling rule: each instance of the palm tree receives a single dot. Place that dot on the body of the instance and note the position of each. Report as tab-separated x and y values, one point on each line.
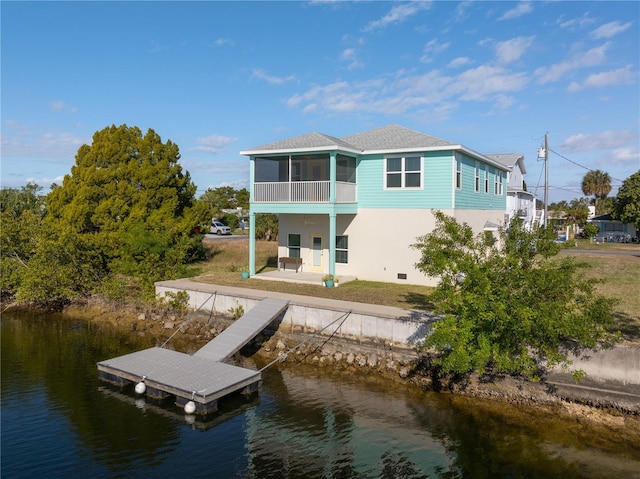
598	184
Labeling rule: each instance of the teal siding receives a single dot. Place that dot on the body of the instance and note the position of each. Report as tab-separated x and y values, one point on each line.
466	198
438	177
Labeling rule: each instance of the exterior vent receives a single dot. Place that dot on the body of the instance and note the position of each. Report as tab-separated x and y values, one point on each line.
402	275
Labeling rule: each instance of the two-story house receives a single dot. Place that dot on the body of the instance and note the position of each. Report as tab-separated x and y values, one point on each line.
520	202
354	205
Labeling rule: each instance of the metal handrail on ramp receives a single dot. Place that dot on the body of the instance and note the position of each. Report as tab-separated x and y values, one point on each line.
243	330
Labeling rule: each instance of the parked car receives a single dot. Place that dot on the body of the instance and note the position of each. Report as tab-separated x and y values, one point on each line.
220	229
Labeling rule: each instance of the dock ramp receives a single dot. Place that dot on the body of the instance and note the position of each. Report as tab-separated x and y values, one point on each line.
243	330
202	377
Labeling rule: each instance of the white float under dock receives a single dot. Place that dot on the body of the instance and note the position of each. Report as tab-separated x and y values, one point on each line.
201	377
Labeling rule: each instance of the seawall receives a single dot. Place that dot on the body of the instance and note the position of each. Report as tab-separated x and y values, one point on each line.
387	339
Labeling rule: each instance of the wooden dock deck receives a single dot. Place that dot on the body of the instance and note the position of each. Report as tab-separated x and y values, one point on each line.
202	377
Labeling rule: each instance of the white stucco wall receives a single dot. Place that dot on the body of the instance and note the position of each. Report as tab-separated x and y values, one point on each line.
379	240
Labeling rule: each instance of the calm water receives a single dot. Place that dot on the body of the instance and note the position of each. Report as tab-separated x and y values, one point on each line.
59	420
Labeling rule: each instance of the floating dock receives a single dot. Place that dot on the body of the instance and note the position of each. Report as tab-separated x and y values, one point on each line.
201	378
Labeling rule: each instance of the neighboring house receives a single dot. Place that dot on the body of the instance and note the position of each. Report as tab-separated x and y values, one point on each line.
355	205
520	202
613	230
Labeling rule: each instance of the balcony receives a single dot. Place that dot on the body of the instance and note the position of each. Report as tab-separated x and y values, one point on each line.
302	192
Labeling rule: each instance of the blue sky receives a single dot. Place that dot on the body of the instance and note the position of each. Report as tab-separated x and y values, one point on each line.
220	77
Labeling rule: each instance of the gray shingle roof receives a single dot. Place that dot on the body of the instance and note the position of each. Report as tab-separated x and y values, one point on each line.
308	141
390	138
509	160
394	137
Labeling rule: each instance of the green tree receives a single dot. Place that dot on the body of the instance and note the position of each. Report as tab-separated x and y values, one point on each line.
590	230
21	213
226	197
267	226
626	205
577	211
127	208
598	184
509	306
14	201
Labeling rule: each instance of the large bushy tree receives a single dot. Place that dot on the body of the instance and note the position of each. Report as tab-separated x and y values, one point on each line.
626	205
127	210
509	306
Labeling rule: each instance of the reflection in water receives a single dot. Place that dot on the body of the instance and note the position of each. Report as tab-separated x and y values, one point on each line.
59	420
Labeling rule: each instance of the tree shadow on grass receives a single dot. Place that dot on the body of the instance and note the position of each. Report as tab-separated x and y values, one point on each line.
418	301
629	326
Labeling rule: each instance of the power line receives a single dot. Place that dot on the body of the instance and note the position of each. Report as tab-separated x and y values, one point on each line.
578	164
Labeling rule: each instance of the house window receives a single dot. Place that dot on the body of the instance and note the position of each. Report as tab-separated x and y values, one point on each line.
486	180
404	172
498	183
458	173
342	249
293	245
477	176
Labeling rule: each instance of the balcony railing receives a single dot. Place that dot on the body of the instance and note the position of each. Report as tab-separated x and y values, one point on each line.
302	192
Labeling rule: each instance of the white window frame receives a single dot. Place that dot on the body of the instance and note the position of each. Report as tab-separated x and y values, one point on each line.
498	183
477	184
403	172
486	180
458	173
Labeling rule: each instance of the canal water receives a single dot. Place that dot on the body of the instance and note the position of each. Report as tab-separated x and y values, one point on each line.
59	420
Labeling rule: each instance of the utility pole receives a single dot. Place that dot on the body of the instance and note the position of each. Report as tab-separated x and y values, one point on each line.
546	178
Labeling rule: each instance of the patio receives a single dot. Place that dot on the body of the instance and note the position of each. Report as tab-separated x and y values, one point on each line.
300	277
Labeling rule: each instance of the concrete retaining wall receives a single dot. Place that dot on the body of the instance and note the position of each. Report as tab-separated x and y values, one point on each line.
371	323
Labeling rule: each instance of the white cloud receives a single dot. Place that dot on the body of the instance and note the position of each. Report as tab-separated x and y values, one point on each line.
433	48
606	140
610	29
580	22
409	94
621	76
262	75
511	50
213	144
459	62
503	102
461	10
521	9
398	14
483	82
60	106
349	55
236	185
626	154
220	42
590	58
23	142
45	182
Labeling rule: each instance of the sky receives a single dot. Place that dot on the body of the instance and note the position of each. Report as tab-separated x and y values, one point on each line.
220	77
